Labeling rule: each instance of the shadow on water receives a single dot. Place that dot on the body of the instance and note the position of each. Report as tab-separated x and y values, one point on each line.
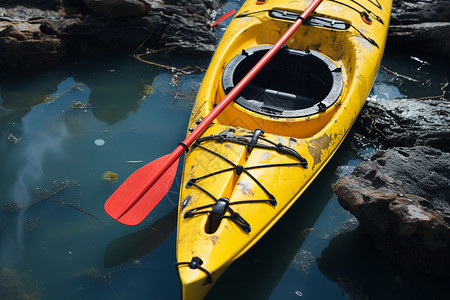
138	244
256	274
364	272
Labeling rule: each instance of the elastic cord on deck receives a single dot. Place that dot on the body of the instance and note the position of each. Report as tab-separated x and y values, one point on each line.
195	264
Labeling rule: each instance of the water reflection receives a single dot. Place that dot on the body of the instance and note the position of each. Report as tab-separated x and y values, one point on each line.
116	88
37	141
20	92
48	125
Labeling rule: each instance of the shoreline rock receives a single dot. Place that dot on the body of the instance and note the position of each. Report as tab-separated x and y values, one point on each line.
85	26
406	122
114	9
422	25
36	34
401	196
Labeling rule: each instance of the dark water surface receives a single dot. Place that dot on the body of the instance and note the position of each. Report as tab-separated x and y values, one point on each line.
62	129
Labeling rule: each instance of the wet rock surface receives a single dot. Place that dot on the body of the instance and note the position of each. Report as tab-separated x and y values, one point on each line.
421	24
113	9
402	195
36	34
406	122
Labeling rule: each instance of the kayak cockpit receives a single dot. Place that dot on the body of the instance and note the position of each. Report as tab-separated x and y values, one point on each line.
293	84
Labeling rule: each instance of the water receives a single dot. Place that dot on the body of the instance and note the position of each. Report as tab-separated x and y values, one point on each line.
62	129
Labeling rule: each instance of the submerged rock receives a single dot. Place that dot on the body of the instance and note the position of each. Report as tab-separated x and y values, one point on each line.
402	197
15	285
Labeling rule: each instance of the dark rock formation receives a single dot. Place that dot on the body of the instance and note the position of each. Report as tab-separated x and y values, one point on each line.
113	9
401	195
98	25
421	24
28	40
36	34
173	29
406	122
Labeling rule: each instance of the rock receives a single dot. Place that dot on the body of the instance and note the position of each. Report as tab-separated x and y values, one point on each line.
113	9
28	41
406	122
405	12
429	37
165	26
41	4
402	196
421	24
173	30
31	38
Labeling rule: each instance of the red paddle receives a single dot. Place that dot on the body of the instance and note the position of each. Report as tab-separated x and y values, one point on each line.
143	190
225	16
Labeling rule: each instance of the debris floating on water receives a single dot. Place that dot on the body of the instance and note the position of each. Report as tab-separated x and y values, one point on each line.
96	275
79	209
13	138
110	176
43	194
30	224
99	142
77	104
303	260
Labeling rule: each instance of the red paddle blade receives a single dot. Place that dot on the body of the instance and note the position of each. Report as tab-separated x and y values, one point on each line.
128	206
225	16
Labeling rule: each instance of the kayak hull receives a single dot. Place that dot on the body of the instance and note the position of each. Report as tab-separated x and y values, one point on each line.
261	153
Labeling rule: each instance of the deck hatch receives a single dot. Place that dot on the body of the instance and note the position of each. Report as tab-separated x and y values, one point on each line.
293	84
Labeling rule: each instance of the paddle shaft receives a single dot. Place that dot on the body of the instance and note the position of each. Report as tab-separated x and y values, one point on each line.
175	155
247	78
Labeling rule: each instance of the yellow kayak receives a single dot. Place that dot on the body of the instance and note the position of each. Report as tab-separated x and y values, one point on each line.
260	154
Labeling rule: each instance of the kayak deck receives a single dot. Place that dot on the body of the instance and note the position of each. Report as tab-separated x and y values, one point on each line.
267	146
